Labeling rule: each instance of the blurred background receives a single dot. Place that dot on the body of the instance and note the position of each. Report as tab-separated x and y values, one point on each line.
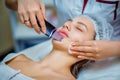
15	36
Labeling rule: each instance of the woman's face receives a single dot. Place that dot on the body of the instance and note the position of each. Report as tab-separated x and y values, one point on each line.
77	29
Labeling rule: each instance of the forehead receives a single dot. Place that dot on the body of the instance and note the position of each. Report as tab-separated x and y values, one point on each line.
84	20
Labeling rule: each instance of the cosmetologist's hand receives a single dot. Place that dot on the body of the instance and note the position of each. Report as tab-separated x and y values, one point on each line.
96	50
30	11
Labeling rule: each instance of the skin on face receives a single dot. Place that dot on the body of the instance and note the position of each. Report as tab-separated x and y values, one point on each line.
77	29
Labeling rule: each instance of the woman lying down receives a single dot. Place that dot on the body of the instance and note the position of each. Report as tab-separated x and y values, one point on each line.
59	64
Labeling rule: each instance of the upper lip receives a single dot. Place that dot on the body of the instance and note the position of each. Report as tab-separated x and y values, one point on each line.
63	33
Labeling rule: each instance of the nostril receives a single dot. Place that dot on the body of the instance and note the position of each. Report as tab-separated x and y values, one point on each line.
67	26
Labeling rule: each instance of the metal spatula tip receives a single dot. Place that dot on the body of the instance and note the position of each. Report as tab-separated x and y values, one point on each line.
57	36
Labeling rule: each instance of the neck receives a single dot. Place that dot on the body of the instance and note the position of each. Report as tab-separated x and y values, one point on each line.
59	61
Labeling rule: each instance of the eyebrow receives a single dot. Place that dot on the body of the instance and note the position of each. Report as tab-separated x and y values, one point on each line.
81	23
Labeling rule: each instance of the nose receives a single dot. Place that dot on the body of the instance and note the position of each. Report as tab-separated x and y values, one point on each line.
67	26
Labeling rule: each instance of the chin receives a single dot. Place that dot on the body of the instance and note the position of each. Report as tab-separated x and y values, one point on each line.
62	42
61	45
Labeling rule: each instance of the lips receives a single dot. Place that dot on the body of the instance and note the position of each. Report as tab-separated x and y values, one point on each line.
63	33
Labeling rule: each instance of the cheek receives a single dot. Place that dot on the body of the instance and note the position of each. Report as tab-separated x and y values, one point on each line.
77	37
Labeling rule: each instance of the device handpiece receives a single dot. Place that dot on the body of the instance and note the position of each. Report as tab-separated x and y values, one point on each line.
51	31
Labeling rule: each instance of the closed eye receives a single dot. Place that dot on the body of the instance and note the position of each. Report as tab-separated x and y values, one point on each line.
78	28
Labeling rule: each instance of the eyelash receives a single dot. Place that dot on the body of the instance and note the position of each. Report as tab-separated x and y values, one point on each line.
79	29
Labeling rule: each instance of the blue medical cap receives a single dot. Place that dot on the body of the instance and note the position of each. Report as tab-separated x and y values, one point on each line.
103	29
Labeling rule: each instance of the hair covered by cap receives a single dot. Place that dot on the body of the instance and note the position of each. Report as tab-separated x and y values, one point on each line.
103	29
